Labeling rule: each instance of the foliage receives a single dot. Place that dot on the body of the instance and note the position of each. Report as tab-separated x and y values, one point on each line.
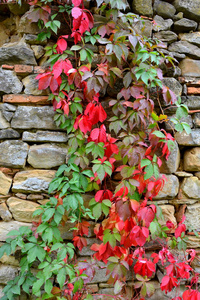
135	140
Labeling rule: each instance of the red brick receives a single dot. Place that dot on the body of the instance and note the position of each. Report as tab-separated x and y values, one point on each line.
7	67
25	99
39	69
23	69
193	90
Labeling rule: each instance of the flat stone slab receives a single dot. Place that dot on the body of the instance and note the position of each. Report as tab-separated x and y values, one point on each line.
192	139
191	160
6	227
45	136
5	184
29	117
192	213
32	181
47	156
190	67
191	187
9	82
13	154
190	8
170	189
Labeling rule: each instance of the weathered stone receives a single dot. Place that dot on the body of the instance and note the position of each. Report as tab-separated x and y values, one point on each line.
9	82
5	184
26	26
168	212
9	260
47	156
23	70
9	134
45	136
196	120
192	213
32	39
13	154
183	201
31	86
192	90
190	67
8	110
165	9
192	102
3	35
4	212
38	51
21	196
193	38
143	7
17	53
171	165
185	48
191	187
183	174
6	227
7	273
170	189
166	36
192	139
18	9
86	250
22	210
192	160
191	9
193	242
173	85
170	125
3	122
160	24
144	28
27	117
174	71
32	181
35	197
184	25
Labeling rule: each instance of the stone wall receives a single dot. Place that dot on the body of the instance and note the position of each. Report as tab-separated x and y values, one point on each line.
32	147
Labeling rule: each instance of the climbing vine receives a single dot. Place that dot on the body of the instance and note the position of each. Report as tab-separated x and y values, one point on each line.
131	143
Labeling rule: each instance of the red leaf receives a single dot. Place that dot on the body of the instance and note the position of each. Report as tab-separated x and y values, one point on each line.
79	242
76	2
76	12
62	45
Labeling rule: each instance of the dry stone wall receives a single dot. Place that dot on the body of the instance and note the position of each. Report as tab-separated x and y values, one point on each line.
32	147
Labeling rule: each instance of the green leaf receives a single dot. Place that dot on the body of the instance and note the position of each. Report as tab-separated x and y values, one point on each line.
83	54
61	277
149	172
48	286
145	162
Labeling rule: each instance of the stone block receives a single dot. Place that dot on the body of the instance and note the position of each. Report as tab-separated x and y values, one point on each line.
143	7
31	86
5	213
13	154
190	67
45	136
171	165
193	242
22	210
5	184
38	51
166	36
26	26
185	25
25	99
196	120
192	139
192	160
9	82
192	37
3	122
192	90
161	25
173	85
191	187
170	189
192	213
32	181
184	47
7	273
67	233
9	134
6	227
17	53
47	156
165	9
168	212
191	9
28	117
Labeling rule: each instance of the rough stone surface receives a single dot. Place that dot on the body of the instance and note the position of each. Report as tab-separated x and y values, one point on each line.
7	273
193	242
17	53
9	134
197	120
6	227
191	9
22	210
170	125
186	48
171	165
38	51
184	25
192	160
170	189
192	102
192	139
165	9
5	184
191	187
160	24
26	26
190	67
143	7
27	117
144	28
47	156
168	214
9	83
13	154
32	39
3	122
192	213
173	85
5	213
17	9
45	136
32	181
31	86
193	38
166	36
